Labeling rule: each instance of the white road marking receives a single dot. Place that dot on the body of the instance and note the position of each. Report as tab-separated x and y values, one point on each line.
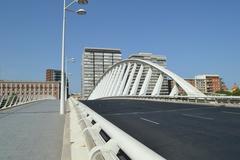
157	111
149	120
231	112
122	114
195	116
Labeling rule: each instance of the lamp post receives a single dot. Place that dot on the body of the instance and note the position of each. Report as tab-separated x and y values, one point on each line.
79	12
70	60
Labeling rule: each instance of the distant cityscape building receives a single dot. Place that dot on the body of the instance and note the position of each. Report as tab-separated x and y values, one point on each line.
95	62
208	83
29	88
158	59
191	81
181	91
235	87
53	75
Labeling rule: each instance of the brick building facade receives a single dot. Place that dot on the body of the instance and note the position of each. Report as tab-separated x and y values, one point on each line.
29	88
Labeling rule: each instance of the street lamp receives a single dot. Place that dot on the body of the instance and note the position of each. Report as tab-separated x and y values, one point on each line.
79	12
67	85
69	60
82	1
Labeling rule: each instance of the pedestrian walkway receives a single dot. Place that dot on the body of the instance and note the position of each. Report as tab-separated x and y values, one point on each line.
32	132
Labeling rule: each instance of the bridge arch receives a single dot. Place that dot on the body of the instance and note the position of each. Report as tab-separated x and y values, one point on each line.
133	77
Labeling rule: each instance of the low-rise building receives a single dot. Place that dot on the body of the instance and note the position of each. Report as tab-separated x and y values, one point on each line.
30	88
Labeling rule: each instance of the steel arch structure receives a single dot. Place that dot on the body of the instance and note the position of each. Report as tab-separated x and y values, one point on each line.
135	77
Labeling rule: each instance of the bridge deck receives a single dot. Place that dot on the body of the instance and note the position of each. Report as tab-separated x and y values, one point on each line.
177	131
32	131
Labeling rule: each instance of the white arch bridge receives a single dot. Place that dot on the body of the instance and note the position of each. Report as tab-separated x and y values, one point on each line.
134	77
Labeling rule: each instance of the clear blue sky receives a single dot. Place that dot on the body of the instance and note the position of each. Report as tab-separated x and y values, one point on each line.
196	36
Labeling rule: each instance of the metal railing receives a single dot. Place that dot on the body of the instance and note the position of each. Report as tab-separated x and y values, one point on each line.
105	141
8	101
218	100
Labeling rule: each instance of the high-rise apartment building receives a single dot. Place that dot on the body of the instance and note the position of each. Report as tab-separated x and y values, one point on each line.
95	62
53	75
158	59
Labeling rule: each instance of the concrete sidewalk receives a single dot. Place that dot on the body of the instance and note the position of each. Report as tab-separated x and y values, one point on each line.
32	132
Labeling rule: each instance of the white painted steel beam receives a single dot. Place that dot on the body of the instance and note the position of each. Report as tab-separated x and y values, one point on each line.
27	98
115	80
158	86
6	104
127	87
124	80
24	98
2	98
111	83
144	88
20	99
136	82
174	91
16	102
109	79
187	87
100	87
12	100
120	78
103	86
96	93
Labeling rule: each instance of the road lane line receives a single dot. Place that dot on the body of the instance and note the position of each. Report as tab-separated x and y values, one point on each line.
195	116
144	119
231	112
157	111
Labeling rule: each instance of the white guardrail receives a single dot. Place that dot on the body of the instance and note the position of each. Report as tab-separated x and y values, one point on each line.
221	100
105	141
8	101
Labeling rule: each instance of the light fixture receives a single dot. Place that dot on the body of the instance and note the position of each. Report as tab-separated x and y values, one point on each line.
81	11
82	1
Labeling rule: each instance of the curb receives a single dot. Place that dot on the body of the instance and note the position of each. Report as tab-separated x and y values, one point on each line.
66	151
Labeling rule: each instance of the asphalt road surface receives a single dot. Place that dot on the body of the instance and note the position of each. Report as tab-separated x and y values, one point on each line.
177	131
33	131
